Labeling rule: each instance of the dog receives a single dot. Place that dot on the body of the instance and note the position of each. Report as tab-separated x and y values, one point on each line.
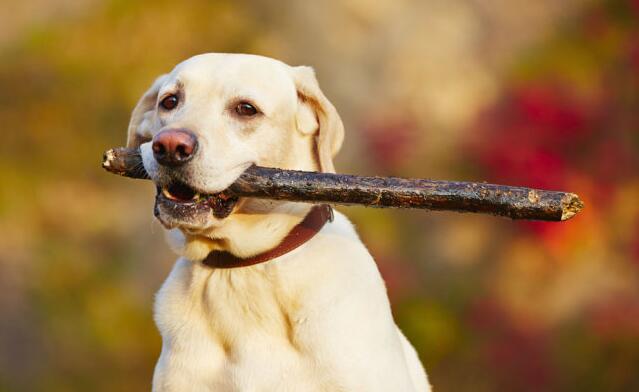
266	295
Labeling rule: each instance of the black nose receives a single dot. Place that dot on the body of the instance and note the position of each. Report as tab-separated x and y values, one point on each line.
174	147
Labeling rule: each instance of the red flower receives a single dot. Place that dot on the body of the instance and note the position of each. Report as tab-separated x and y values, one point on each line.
553	114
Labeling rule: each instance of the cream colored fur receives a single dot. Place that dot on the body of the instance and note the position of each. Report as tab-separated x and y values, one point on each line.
315	319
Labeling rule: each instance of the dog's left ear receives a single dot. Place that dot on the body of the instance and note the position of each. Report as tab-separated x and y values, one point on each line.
316	115
141	118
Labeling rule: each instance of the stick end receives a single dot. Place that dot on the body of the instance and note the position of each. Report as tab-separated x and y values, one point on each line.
107	159
571	205
118	160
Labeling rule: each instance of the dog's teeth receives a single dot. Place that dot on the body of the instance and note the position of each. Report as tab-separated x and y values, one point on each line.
168	194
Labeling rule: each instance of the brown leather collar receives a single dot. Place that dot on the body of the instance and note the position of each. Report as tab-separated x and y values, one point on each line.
304	231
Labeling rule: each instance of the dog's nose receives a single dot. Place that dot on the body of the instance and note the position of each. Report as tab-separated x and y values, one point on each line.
174	147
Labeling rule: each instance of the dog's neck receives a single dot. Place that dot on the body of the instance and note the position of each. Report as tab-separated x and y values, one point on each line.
300	234
253	229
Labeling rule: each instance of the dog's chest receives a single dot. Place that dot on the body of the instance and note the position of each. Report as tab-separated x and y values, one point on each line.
226	324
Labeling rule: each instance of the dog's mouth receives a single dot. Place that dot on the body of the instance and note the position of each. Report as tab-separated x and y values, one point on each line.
180	193
182	201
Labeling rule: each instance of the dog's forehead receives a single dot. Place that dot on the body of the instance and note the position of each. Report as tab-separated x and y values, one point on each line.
234	73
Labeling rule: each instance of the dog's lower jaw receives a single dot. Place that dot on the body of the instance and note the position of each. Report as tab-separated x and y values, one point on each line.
244	233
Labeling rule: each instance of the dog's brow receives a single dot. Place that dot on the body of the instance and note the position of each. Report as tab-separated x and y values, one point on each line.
171	88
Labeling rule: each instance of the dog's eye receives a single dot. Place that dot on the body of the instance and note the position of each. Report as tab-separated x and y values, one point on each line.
245	109
169	102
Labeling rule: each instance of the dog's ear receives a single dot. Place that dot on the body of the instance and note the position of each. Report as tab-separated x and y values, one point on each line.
316	115
141	117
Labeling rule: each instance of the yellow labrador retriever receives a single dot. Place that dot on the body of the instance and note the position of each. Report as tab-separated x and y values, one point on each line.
267	295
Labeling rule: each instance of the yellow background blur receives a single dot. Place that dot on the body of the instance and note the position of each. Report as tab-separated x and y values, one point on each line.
535	93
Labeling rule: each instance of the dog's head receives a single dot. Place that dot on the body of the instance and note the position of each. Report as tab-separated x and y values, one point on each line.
200	126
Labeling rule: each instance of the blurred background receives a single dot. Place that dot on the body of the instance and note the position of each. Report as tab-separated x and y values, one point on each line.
538	93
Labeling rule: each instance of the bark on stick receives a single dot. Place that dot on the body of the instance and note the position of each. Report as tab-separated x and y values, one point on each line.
313	187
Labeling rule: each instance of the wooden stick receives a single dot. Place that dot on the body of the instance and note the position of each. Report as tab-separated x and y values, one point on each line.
292	185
